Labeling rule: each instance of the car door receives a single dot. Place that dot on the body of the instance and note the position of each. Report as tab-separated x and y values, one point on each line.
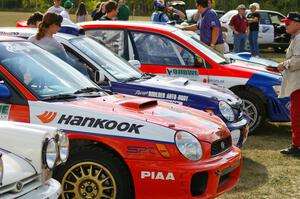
14	107
161	55
266	29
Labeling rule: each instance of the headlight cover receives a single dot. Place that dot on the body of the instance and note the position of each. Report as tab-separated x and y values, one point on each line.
188	145
277	89
1	169
63	146
226	111
50	153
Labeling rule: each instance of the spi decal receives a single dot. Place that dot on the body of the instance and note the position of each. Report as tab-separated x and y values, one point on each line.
70	119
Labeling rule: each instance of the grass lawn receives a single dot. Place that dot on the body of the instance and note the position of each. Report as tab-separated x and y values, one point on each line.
266	173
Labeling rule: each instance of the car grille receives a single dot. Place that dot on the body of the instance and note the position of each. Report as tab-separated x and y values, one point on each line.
21	187
220	146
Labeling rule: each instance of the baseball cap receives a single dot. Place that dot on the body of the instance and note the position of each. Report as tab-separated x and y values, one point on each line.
68	4
292	16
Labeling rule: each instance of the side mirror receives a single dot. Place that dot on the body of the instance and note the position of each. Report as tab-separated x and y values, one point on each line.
99	77
135	63
4	92
199	63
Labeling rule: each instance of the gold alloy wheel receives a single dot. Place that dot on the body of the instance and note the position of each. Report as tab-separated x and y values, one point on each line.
88	180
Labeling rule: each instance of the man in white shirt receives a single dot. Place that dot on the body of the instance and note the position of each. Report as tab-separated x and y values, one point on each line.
68	5
56	8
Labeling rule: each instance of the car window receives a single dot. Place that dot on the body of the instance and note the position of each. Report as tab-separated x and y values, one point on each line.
264	18
159	50
113	39
39	71
275	18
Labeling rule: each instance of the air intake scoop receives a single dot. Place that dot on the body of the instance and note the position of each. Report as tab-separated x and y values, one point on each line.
140	104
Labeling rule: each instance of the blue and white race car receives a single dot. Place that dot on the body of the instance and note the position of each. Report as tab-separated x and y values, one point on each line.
115	74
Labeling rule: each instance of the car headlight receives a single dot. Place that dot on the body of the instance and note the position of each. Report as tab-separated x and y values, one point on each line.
1	169
50	153
63	146
188	145
226	111
277	89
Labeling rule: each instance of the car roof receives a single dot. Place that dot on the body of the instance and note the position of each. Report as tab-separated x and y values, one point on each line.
132	25
27	32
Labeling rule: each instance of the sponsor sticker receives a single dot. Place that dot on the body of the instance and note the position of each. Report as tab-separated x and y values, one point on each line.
182	72
4	111
173	97
152	175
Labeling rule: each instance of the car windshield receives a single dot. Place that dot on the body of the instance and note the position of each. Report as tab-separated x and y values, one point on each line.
114	65
194	40
42	73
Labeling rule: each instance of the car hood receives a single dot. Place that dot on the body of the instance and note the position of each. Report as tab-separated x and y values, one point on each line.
128	117
15	168
254	68
185	85
248	58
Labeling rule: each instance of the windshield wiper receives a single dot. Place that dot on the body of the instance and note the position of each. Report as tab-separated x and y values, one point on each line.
131	79
87	90
59	97
147	76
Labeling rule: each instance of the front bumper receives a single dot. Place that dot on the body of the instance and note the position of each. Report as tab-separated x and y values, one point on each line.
279	109
50	190
239	131
186	179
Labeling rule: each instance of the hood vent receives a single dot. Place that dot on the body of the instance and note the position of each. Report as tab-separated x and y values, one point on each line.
140	103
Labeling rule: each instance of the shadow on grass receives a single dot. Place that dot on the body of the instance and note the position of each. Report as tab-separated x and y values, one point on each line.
253	176
272	136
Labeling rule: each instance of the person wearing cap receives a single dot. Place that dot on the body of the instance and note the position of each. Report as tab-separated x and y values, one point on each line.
239	27
68	5
111	11
253	21
163	12
209	28
56	8
290	86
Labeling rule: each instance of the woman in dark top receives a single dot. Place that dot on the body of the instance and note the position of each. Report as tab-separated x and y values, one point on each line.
253	21
99	12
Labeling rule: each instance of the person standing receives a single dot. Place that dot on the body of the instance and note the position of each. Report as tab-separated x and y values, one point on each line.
111	11
68	5
44	38
124	11
81	13
34	20
253	21
239	26
56	8
291	80
161	12
100	12
210	27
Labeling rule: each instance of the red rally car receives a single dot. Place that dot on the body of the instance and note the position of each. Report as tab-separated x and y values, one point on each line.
121	146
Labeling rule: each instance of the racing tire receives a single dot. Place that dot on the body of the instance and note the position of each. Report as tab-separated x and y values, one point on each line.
96	173
253	108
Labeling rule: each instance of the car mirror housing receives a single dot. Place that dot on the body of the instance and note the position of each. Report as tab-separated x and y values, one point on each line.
135	63
199	62
99	77
4	92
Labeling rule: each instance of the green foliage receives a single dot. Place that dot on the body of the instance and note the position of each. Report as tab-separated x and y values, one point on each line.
145	7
